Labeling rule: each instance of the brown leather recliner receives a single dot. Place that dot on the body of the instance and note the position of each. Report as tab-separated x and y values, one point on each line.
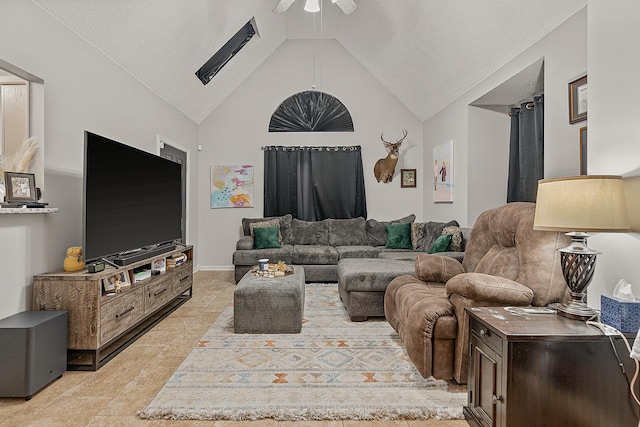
506	263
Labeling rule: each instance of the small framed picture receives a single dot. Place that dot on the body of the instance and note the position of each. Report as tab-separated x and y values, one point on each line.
407	178
159	265
116	281
20	187
578	100
583	150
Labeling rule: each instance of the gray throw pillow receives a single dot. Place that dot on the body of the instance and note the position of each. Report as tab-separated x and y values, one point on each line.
309	232
347	232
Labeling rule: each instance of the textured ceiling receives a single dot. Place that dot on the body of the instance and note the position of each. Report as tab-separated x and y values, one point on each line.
426	52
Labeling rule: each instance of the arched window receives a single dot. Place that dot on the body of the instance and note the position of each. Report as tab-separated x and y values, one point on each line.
311	111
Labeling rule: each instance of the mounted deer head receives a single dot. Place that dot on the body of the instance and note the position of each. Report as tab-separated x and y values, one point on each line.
385	168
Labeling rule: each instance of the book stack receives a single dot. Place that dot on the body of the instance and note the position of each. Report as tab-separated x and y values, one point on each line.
176	260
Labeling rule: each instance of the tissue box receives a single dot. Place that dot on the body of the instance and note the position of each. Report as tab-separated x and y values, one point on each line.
622	315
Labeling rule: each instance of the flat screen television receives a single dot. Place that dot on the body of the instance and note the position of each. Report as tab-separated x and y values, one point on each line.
132	199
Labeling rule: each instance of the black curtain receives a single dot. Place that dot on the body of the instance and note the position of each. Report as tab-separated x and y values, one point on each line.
314	183
280	188
526	151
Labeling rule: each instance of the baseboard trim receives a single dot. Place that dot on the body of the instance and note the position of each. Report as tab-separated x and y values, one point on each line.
216	268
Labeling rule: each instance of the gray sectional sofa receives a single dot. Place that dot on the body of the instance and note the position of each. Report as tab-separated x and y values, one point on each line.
319	245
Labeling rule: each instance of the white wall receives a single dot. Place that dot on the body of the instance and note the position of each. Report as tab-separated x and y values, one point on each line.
614	129
83	89
565	54
489	132
236	130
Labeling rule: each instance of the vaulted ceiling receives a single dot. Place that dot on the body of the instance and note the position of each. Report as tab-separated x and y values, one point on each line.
426	52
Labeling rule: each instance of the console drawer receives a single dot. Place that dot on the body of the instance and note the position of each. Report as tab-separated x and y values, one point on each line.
183	277
487	336
157	293
120	314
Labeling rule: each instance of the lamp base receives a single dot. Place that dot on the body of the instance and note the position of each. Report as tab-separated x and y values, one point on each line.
578	262
577	309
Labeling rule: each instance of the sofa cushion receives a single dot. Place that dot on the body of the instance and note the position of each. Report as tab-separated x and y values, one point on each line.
398	236
309	232
370	274
503	238
251	257
376	233
423	234
315	254
266	237
458	256
357	252
398	255
347	232
284	222
500	261
436	268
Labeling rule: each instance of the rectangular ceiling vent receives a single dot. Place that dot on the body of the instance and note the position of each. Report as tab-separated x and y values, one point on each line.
210	68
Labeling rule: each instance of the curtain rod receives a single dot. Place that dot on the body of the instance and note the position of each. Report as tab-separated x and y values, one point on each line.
529	106
294	148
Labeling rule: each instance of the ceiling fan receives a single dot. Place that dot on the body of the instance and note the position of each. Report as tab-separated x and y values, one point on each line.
347	6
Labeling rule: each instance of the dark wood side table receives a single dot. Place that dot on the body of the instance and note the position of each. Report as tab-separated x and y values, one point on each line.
546	370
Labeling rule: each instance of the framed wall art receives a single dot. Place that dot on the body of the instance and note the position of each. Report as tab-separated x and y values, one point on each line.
20	187
578	104
443	172
231	186
408	178
583	150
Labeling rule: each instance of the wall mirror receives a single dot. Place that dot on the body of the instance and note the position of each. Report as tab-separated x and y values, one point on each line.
21	115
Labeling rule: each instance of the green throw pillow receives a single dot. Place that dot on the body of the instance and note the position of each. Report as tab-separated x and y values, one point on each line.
398	236
265	237
441	244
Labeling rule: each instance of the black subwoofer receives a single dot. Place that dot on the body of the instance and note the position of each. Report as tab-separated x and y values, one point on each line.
33	351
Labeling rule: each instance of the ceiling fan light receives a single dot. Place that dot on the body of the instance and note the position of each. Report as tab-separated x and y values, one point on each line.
312	6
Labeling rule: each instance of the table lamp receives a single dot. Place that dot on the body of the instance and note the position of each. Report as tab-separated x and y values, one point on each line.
577	205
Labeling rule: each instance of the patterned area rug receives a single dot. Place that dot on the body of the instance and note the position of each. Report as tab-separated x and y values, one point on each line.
334	369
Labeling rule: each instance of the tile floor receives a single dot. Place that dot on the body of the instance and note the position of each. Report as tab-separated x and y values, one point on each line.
113	395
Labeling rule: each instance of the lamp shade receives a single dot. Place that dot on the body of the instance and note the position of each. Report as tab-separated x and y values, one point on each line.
587	203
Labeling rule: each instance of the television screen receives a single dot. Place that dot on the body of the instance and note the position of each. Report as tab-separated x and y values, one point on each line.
132	199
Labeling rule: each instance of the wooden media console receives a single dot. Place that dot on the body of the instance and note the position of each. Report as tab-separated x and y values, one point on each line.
101	324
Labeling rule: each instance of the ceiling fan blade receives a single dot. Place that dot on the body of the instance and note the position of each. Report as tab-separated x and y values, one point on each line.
347	6
282	6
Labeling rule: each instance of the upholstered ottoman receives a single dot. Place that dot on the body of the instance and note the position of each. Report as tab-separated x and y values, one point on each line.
269	305
362	283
